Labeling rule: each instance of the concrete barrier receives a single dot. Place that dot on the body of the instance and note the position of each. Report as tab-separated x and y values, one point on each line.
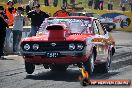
8	47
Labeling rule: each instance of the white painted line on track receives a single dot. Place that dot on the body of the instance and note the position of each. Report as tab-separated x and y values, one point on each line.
11	56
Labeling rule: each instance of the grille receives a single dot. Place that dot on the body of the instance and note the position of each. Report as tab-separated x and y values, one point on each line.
48	46
56	47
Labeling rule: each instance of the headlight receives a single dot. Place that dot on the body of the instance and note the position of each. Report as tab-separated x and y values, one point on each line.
35	46
72	46
80	46
26	46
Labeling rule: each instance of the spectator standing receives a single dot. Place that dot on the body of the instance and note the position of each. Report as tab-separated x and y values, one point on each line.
64	3
90	4
110	4
37	17
17	28
10	11
123	4
130	3
101	4
46	2
3	26
96	4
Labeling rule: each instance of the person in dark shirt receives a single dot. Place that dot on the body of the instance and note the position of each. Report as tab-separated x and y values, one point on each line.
55	3
37	17
3	25
46	2
90	4
110	4
64	3
96	4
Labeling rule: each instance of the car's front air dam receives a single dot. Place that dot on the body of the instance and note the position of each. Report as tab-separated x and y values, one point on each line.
59	60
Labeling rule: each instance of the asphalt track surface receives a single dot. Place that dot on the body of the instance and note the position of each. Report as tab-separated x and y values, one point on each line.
13	75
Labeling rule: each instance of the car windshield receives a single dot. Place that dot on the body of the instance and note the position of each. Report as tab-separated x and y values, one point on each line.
75	25
89	14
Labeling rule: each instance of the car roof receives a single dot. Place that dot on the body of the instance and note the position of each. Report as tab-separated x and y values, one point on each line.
84	12
77	17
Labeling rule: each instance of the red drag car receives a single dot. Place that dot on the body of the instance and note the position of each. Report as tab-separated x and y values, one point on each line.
76	40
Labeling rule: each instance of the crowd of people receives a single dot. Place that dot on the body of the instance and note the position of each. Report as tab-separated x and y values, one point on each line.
92	4
11	16
99	4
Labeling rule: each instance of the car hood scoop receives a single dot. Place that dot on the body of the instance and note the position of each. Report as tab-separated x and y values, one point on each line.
56	33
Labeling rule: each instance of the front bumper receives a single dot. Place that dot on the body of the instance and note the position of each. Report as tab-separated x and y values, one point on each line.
66	57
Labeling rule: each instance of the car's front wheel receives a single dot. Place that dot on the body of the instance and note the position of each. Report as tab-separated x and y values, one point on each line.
89	64
29	67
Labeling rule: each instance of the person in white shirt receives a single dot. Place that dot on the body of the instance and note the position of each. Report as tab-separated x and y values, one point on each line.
17	28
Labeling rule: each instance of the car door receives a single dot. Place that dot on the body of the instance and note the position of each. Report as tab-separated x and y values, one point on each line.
100	41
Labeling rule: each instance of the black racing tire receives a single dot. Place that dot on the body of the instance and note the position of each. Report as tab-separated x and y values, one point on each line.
58	67
126	20
89	64
29	67
104	67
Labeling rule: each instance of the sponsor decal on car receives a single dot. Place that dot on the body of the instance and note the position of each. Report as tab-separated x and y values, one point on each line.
120	20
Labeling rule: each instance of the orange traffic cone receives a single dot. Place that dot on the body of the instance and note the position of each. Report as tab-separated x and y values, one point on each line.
85	78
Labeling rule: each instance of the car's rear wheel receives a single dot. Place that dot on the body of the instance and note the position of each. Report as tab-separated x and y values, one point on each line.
89	64
58	67
104	68
29	67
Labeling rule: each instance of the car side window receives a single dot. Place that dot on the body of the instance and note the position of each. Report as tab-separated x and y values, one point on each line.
95	30
101	30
